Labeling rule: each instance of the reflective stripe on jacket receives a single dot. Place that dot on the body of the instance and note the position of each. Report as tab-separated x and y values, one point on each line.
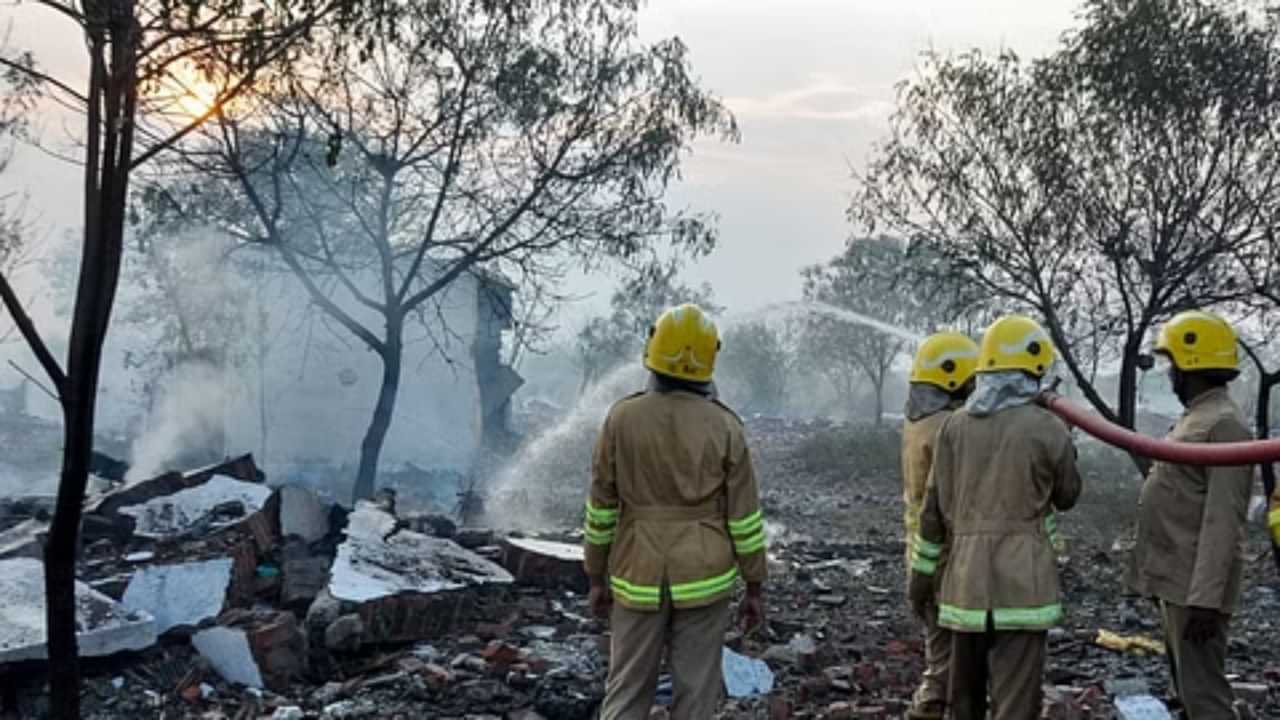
674	501
918	437
989	509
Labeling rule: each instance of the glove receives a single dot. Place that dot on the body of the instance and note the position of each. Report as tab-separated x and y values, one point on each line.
1203	625
920	592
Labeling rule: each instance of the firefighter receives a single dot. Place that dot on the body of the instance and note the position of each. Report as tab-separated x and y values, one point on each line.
1001	465
673	521
941	379
1191	520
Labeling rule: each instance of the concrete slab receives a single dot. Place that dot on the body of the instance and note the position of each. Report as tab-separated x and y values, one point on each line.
228	651
367	569
542	563
180	595
302	514
191	510
106	626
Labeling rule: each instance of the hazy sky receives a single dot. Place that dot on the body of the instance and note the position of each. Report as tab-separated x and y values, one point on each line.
810	81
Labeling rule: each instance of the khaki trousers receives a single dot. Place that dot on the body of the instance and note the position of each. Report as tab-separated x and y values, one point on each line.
1199	671
931	696
693	639
1009	664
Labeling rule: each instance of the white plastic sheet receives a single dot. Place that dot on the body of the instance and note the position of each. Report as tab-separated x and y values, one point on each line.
744	676
1142	707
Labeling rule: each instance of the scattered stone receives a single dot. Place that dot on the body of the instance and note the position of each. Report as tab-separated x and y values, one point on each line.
305	576
347	710
344	634
288	712
105	627
832	600
500	654
1252	693
302	515
180	596
538	632
329	693
256	649
840	711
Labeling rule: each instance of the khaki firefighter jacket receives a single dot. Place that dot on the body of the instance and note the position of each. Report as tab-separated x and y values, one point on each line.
1191	520
673	500
917	457
994	485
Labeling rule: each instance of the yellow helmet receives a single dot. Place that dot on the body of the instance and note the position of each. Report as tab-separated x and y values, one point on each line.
683	344
1016	342
1196	340
947	360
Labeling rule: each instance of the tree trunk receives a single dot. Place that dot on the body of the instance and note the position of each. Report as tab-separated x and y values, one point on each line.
109	154
1127	411
371	447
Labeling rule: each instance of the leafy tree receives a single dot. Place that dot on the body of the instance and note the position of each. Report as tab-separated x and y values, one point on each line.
470	138
863	279
756	366
1125	177
607	342
143	59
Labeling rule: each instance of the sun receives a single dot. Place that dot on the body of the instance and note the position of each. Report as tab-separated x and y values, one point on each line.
185	93
196	97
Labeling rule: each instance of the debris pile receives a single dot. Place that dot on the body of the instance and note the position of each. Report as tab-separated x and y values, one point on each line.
211	594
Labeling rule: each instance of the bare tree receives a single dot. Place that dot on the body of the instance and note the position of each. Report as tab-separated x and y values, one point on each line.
143	58
863	279
468	139
1126	177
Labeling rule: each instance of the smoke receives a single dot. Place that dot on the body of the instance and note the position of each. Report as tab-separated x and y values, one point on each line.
185	323
545	484
186	425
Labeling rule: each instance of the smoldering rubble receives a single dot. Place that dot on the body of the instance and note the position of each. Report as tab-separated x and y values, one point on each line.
212	594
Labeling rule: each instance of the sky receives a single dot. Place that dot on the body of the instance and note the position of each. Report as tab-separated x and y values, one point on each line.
811	83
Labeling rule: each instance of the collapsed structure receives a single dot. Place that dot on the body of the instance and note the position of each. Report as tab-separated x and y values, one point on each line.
269	585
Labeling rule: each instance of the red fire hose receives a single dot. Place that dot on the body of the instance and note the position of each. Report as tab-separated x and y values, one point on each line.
1184	453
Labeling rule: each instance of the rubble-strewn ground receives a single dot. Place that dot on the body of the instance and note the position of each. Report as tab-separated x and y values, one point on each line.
840	638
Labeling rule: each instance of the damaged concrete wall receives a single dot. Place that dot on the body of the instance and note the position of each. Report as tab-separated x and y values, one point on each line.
496	381
321	385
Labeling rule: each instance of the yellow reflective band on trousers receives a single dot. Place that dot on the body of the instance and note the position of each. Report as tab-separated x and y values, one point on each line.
1041	618
601	525
1273	523
680	592
748	533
